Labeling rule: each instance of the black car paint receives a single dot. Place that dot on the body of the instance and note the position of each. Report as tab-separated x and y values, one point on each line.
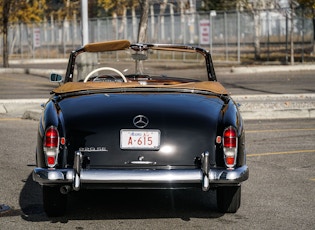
97	118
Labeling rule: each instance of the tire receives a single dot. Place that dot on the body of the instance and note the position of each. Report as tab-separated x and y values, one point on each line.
228	199
55	203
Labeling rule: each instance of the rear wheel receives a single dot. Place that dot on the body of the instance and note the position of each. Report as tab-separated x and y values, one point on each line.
229	199
55	203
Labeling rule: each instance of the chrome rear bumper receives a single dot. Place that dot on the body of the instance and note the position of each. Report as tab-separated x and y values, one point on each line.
78	176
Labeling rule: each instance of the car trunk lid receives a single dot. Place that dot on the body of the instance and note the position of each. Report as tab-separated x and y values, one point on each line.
176	128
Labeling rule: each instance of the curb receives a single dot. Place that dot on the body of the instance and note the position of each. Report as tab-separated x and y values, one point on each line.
275	68
278	114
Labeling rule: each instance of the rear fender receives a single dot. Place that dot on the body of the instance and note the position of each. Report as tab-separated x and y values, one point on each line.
50	117
232	117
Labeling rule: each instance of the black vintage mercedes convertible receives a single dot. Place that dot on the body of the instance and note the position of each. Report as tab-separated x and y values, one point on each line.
140	116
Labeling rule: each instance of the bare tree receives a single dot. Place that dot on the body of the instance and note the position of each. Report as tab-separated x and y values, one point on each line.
292	6
5	24
308	7
256	7
18	11
143	24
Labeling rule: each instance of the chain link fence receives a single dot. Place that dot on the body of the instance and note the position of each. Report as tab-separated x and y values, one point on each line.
230	36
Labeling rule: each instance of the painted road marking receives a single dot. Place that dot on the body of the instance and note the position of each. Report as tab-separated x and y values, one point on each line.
10	119
281	153
278	130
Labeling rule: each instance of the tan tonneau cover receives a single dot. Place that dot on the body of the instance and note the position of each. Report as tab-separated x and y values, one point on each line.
107	46
210	86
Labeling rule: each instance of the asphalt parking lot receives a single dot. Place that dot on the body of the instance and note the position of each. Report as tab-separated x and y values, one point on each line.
278	195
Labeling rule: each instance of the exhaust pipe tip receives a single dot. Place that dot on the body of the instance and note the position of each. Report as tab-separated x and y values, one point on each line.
65	189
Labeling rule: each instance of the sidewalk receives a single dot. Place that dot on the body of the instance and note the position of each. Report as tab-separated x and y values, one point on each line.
274	106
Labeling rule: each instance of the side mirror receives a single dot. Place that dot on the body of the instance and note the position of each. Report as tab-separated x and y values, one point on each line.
55	77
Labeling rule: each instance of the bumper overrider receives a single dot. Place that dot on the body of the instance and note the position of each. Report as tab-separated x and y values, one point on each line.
79	176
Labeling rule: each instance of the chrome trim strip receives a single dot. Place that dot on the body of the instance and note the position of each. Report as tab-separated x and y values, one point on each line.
141	162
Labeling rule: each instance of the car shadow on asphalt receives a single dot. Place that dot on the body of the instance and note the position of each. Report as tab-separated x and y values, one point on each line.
121	204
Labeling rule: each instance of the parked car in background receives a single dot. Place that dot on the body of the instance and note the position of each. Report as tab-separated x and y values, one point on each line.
140	116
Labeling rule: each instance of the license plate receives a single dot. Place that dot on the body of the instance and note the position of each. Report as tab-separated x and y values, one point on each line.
139	139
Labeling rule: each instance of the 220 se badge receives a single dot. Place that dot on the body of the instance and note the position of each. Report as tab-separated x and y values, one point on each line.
142	116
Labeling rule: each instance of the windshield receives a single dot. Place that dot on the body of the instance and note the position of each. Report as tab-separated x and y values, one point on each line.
137	65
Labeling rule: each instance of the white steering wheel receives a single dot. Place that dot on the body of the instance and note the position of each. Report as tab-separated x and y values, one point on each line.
105	68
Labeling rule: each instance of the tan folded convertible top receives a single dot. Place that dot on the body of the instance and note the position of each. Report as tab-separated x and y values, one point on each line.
214	87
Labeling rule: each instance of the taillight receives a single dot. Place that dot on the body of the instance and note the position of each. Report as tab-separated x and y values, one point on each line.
51	146
51	138
230	146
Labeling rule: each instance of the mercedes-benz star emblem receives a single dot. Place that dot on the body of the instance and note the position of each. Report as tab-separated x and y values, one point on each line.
140	121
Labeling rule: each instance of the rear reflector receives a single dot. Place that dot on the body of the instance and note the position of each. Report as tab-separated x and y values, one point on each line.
50	160
229	160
